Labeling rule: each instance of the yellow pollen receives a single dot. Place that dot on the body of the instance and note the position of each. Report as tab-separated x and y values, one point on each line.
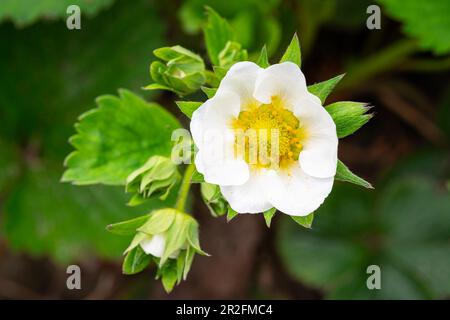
259	127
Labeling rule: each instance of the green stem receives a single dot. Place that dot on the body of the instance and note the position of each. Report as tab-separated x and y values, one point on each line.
185	187
384	60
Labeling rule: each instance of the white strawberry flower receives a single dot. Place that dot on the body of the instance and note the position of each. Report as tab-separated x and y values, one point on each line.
298	131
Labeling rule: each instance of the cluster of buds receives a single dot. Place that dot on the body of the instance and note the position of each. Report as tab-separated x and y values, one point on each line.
182	72
155	178
166	236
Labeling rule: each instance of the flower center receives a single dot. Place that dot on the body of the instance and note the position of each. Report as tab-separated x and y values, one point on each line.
268	135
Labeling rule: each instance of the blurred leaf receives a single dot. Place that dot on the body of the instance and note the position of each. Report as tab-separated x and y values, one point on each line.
324	88
406	234
343	173
135	261
117	138
217	34
293	53
66	70
9	165
24	12
253	19
45	217
348	116
428	21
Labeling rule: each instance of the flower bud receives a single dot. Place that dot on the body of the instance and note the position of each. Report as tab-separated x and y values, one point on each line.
155	178
182	72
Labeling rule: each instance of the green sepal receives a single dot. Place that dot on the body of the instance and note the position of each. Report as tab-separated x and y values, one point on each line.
231	214
268	215
348	116
324	88
127	227
343	173
293	52
135	261
304	221
263	60
159	221
188	107
210	92
213	199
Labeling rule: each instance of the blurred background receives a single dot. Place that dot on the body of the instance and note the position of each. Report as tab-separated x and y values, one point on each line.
49	75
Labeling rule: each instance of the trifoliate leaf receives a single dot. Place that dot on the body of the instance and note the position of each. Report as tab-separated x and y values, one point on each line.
305	221
348	116
217	34
43	217
24	12
268	215
127	227
263	60
324	88
428	21
343	173
135	261
188	107
117	138
293	53
231	214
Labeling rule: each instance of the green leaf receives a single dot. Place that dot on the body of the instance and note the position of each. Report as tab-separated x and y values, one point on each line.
25	12
304	221
188	107
343	173
348	116
293	53
263	60
210	92
268	215
231	214
324	88
425	20
127	227
217	34
117	138
43	217
357	229
135	261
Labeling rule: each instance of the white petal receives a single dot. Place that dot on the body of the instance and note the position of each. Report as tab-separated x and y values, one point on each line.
215	141
240	79
318	157
154	246
296	193
247	198
285	80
